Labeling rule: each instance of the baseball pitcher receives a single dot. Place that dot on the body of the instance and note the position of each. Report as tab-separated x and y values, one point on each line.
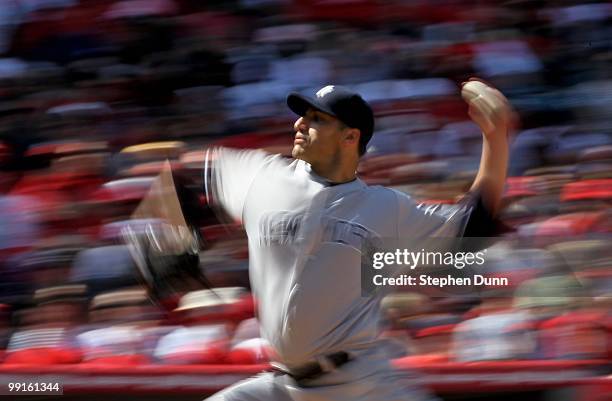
308	221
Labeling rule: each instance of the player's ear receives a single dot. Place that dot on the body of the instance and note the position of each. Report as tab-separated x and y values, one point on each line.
351	136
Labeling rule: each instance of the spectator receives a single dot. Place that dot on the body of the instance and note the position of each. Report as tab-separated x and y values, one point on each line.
208	320
496	334
47	330
117	333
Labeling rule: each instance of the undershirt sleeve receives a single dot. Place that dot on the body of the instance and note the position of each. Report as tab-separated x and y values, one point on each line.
228	174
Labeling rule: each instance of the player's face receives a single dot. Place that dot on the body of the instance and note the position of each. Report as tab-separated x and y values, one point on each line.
318	137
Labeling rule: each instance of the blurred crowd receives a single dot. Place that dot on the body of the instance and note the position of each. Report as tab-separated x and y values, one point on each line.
98	94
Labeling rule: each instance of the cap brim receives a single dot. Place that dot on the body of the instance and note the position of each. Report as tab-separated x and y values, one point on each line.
300	104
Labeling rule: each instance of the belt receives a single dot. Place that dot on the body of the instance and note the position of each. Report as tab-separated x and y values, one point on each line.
313	370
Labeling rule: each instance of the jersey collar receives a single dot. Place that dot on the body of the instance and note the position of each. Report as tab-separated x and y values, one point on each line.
343	187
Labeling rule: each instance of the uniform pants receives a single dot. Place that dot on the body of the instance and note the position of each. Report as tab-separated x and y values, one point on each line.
385	384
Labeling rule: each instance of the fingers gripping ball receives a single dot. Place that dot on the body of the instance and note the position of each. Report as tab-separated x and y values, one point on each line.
488	107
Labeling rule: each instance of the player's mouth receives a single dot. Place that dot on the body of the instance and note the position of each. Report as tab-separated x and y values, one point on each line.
299	139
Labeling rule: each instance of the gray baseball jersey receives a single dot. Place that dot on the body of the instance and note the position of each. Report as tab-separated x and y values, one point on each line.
305	248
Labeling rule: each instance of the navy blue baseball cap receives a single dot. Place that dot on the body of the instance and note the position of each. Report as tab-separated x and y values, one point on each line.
342	103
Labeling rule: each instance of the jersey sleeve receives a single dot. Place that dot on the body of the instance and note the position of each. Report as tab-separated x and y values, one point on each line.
228	175
430	221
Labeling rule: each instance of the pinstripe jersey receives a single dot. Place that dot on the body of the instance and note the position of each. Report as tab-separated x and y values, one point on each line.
306	239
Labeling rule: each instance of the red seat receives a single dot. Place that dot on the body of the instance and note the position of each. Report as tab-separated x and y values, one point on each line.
579	334
43	356
212	354
120	360
419	360
587	189
250	352
521	186
433	339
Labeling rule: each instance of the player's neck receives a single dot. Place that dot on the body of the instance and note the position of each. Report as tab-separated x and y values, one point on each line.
335	173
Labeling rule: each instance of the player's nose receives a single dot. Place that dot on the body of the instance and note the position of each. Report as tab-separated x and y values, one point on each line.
300	125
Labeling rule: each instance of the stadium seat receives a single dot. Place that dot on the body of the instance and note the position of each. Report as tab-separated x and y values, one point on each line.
43	356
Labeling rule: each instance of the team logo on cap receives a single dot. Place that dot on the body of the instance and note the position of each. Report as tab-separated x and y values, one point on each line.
325	90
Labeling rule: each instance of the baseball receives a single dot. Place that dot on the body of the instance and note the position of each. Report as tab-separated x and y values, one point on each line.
488	107
472	89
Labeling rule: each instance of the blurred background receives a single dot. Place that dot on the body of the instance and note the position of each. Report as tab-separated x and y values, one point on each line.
96	94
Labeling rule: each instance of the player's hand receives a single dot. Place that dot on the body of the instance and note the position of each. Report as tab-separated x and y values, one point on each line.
488	108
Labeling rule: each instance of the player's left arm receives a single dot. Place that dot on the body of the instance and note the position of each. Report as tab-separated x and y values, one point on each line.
490	109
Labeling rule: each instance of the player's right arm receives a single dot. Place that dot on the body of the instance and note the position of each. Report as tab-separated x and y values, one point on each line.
492	112
228	175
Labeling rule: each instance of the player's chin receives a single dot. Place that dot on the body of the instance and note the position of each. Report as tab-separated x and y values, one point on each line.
298	152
